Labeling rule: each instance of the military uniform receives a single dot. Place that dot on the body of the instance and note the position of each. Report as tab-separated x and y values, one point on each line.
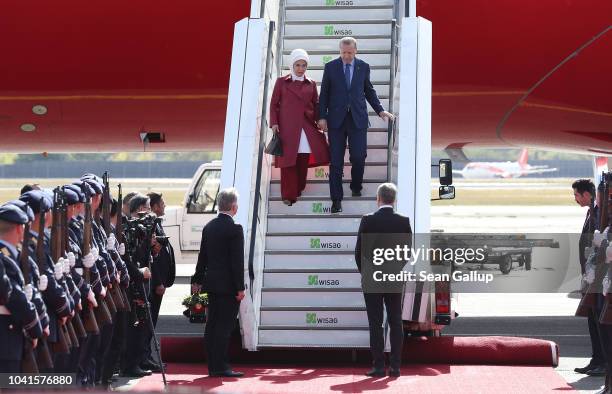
55	295
18	317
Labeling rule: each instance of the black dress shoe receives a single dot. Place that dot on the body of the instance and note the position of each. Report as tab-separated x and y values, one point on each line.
394	372
597	371
586	368
226	374
376	373
136	372
356	194
336	206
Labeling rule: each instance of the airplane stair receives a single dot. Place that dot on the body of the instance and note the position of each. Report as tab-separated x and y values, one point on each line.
311	294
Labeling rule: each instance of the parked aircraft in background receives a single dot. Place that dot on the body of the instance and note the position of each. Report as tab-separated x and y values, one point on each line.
508	169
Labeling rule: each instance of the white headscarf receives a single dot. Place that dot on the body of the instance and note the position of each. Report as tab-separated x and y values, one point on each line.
298	54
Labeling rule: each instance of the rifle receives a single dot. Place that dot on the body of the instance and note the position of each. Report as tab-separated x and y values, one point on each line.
77	324
89	319
102	314
28	361
588	302
589	299
43	355
121	240
606	312
63	344
106	225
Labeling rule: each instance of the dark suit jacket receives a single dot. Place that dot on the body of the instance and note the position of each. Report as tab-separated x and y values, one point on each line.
164	265
335	98
220	267
383	221
589	226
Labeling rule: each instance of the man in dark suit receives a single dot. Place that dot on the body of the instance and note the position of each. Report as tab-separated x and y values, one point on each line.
584	194
397	232
220	273
342	110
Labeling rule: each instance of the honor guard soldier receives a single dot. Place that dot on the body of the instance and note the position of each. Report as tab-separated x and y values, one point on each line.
56	297
86	362
39	282
107	271
19	322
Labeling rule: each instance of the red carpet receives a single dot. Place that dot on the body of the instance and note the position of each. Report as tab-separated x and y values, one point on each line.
435	350
431	378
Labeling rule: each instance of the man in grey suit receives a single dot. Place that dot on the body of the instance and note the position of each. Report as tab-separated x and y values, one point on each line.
383	229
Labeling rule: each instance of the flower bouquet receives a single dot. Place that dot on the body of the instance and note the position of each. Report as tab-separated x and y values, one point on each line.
196	307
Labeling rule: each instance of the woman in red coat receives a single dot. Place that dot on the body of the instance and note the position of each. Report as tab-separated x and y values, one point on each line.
294	111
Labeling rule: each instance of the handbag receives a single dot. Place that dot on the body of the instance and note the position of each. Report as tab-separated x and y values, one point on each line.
275	147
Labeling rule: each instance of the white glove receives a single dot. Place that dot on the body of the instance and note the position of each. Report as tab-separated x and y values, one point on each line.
121	249
605	285
609	254
589	275
597	238
71	259
103	292
58	269
110	242
96	253
66	267
89	260
92	298
29	292
146	273
43	281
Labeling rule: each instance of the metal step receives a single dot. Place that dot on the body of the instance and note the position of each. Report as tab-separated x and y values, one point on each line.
320	280
311	242
312	298
324	14
314	318
332	3
289	261
338	30
321	206
321	190
342	338
331	44
320	59
311	223
371	171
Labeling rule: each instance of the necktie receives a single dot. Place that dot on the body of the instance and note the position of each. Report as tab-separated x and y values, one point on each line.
347	75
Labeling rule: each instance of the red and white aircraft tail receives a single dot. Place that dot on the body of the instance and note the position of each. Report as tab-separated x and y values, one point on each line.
508	169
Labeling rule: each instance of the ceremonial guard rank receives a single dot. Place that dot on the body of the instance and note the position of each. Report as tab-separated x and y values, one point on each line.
20	326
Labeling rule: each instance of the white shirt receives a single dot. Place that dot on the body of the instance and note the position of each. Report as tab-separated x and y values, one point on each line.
304	146
384	206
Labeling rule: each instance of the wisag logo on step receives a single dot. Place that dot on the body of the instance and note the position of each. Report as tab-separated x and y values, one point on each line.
330	30
313	280
319	207
315	243
339	3
311	318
